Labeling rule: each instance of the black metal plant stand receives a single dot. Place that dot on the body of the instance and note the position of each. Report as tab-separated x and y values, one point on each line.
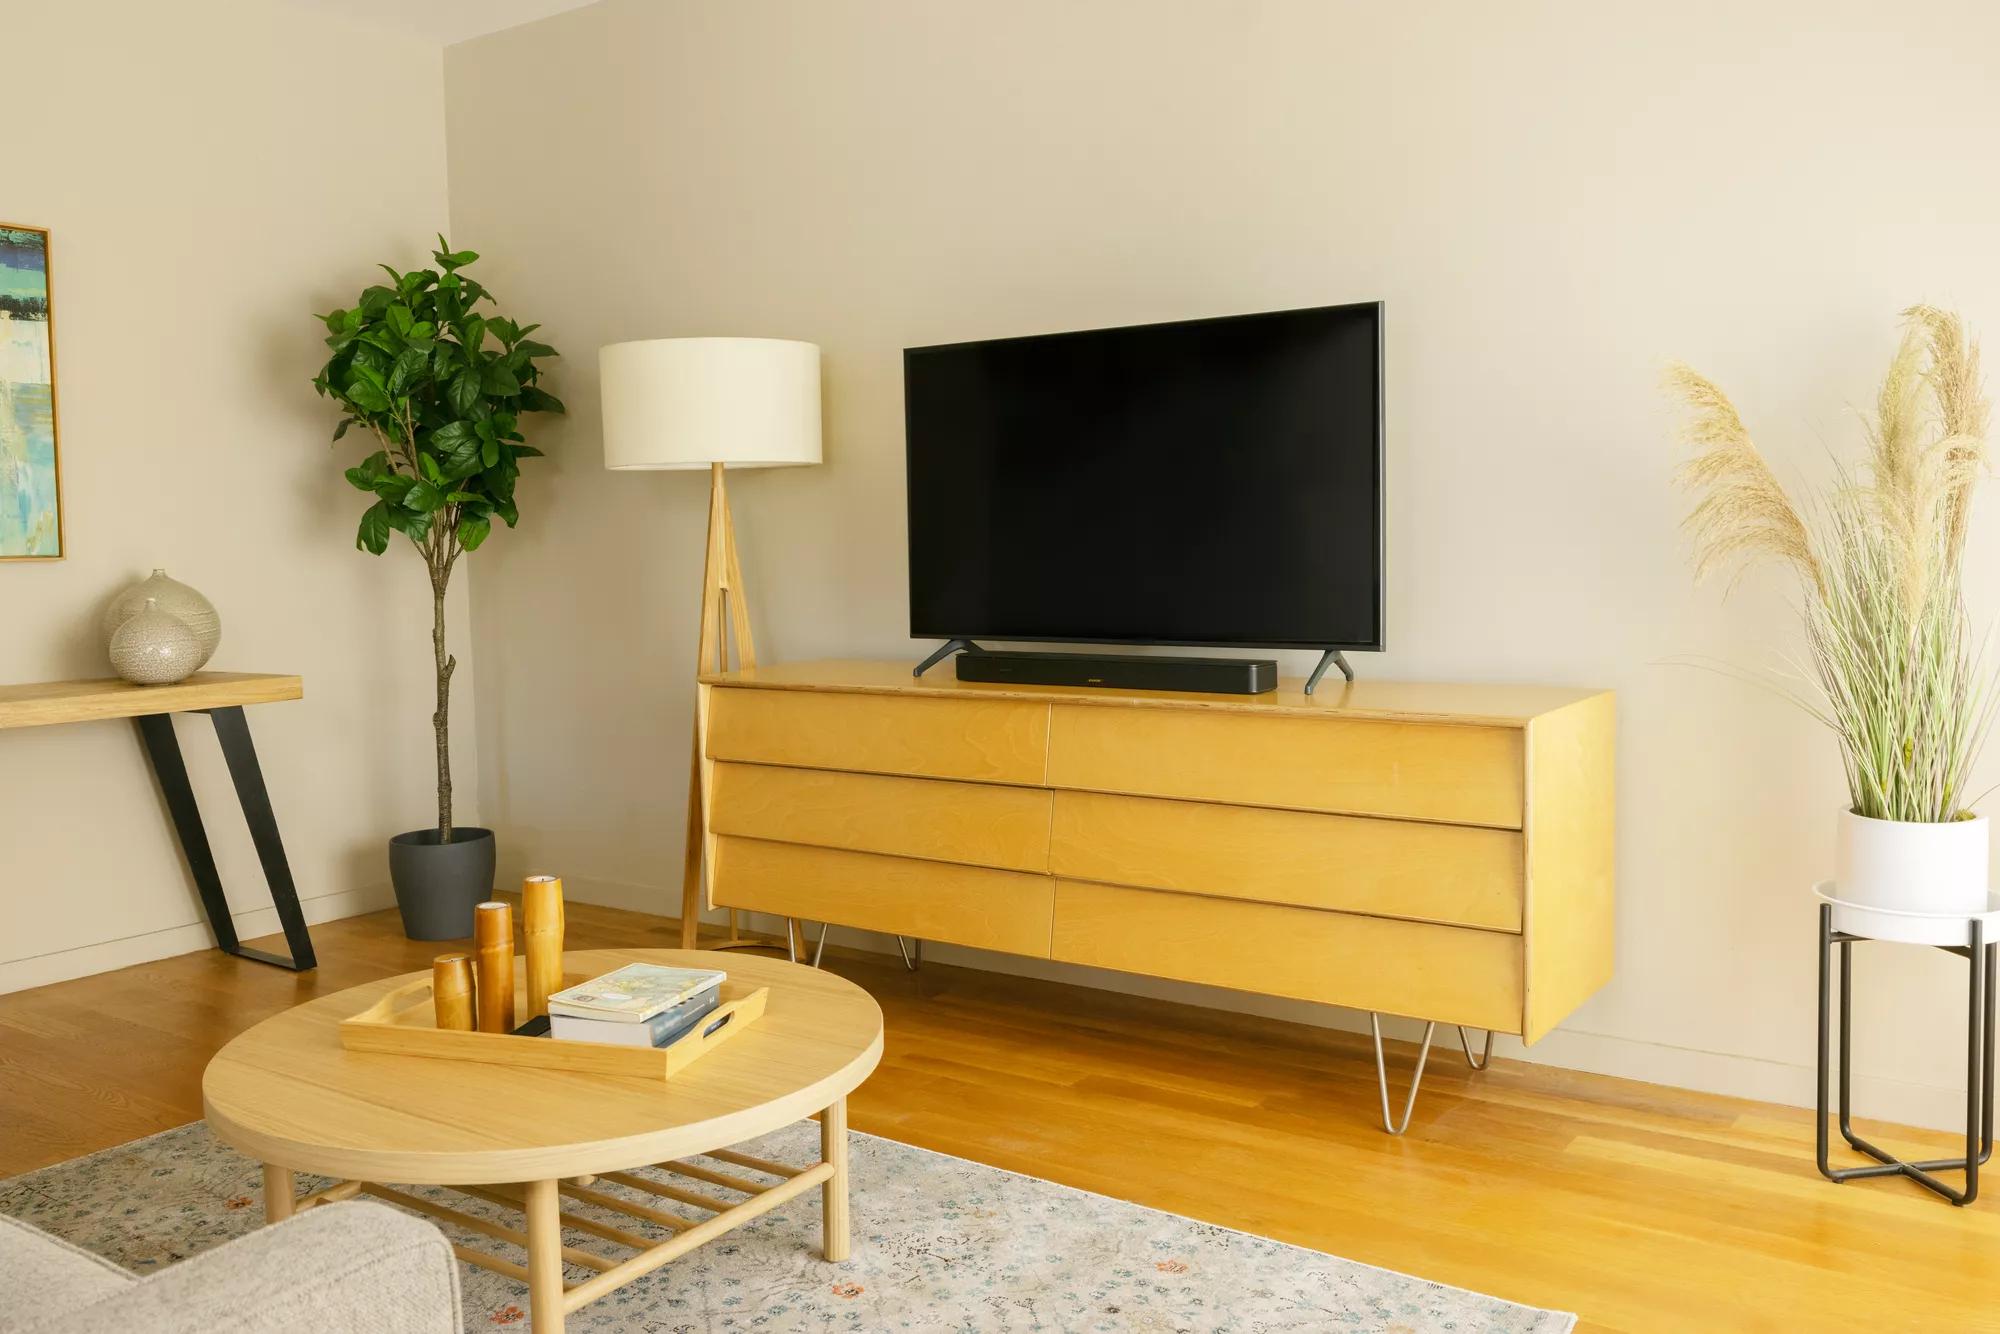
163	749
1981	959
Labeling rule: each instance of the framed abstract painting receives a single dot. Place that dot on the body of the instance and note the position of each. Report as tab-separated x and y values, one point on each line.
31	524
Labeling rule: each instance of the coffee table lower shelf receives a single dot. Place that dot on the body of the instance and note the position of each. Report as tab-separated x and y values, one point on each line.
550	1298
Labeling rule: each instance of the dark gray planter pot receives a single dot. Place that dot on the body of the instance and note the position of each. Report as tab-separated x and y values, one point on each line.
437	884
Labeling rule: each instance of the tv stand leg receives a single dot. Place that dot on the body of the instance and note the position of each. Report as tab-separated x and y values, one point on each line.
951	646
1331	658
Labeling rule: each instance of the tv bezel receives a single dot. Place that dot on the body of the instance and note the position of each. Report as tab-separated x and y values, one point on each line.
1376	645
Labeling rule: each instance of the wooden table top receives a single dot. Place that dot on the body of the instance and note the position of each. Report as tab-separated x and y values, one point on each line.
1393	701
42	703
286	1092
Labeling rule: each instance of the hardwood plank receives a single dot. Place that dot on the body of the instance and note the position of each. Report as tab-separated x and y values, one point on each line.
1639	1206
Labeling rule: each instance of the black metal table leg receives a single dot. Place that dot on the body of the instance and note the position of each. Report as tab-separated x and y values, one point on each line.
1981	959
233	732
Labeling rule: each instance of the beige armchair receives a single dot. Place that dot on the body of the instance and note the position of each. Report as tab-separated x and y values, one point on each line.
337	1268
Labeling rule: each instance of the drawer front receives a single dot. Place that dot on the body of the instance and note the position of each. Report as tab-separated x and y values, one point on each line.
972	823
984	740
1448	973
1448	772
1455	874
965	905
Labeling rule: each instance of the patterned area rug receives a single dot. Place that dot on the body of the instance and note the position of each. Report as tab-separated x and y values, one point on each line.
939	1244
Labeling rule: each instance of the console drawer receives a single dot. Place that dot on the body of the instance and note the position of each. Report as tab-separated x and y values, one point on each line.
1454	874
1453	974
973	823
965	905
1451	772
984	740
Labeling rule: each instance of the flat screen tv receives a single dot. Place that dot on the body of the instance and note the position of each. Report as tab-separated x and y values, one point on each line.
1205	482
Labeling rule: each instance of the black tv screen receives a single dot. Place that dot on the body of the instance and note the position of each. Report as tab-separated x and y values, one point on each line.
1203	482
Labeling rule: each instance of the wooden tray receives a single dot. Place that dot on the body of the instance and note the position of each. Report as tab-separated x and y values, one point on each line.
403	1023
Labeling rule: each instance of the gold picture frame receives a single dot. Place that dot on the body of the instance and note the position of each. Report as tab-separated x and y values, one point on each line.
31	498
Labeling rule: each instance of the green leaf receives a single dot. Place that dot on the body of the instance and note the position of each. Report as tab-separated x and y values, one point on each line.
423	497
373	536
408	369
428	462
538	400
400	319
413	524
462	497
464	391
345	422
393	486
504	329
361	479
458	445
489	452
506	510
472	334
534	349
367	396
471	532
527	452
497	380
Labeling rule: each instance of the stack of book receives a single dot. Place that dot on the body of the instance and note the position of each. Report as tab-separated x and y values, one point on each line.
639	1005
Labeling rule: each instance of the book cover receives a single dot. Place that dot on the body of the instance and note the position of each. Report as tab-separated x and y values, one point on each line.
636	992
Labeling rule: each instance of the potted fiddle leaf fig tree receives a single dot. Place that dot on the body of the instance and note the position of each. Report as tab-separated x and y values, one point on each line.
443	385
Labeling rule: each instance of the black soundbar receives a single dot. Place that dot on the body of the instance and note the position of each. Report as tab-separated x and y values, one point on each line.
1122	671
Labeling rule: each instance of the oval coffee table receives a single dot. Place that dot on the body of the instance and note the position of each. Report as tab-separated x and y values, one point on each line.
289	1095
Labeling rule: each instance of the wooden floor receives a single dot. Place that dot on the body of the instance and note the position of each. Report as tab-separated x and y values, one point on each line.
1640	1207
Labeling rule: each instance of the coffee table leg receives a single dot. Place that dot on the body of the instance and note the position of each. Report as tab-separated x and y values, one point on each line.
279	1200
545	1263
833	1194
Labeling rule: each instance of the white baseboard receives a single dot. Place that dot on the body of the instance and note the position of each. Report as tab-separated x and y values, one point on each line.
84	960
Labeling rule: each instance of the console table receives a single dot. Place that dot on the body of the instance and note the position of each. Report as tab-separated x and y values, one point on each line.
222	696
1437	851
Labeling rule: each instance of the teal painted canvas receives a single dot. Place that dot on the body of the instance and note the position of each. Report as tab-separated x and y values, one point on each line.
30	483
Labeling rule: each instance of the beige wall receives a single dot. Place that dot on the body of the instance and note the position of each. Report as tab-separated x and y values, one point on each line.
1553	199
212	173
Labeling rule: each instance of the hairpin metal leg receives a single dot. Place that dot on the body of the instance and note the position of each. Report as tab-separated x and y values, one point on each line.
912	951
1382	1073
825	930
792	939
1485	1057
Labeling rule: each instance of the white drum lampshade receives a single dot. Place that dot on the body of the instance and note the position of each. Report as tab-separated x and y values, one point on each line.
693	402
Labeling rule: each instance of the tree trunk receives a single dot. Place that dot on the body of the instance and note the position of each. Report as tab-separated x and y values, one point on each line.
441	720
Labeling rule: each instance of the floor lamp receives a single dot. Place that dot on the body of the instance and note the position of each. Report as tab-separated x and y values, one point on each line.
714	403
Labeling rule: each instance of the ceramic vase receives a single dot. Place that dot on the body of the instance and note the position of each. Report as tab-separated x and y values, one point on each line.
151	648
1909	866
177	600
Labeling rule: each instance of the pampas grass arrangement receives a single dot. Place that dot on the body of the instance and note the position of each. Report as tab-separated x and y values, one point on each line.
1892	666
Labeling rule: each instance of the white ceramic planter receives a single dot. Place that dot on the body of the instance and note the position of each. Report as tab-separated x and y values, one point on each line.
1910	867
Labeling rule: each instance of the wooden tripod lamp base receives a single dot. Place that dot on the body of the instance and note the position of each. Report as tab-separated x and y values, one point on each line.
724	613
680	403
